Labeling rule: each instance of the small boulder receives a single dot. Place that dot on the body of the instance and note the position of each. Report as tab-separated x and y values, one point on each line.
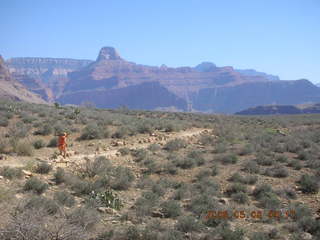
306	236
224	201
27	173
157	213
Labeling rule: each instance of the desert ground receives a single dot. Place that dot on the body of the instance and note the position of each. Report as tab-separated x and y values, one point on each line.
133	174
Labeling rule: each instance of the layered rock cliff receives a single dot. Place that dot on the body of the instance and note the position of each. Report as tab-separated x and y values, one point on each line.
12	89
45	76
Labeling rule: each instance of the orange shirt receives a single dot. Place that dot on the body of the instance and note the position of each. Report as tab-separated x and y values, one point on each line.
62	140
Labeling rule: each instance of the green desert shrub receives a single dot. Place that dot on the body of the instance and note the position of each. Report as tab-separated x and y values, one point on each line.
45	130
43	168
251	167
264	160
154	147
204	173
188	224
197	157
309	184
246	150
228	159
248	179
207	139
228	234
100	165
236	188
24	148
124	151
39	144
84	217
64	198
11	172
59	176
36	185
175	145
92	131
266	197
123	178
240	197
295	164
53	142
279	172
4	122
185	163
171	209
81	187
40	202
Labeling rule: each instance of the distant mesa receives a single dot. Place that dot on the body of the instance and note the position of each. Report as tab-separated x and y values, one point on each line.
206	67
108	53
282	109
111	81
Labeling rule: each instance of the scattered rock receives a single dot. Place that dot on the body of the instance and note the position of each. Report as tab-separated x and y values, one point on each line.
157	213
90	144
306	236
1	177
107	210
3	157
27	173
224	201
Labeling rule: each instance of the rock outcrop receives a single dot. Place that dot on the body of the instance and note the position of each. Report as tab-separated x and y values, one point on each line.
45	76
12	89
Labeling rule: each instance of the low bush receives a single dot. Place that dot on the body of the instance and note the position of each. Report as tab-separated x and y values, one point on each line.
39	202
59	176
295	164
92	131
175	145
4	122
264	160
251	167
81	187
279	172
171	209
43	168
228	159
221	147
309	184
249	179
228	234
236	188
64	198
246	150
197	157
11	172
204	173
240	197
188	224
123	178
39	144
154	147
53	142
99	166
45	130
185	163
207	140
124	151
84	217
36	185
24	149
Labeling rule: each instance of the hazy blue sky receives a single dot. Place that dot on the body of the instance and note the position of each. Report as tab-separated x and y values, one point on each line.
280	37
